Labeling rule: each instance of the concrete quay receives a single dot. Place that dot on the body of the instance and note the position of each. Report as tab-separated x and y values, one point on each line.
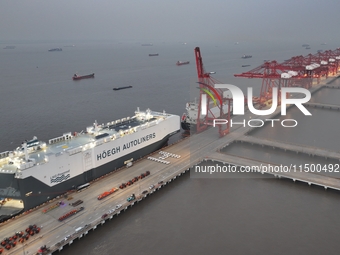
295	175
308	150
323	106
332	87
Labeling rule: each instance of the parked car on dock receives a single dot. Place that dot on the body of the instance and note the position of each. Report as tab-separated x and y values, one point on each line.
79	229
43	250
131	198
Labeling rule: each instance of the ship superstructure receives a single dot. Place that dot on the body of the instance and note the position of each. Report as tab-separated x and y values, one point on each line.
189	118
37	171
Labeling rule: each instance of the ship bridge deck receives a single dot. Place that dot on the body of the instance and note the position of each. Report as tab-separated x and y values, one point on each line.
129	124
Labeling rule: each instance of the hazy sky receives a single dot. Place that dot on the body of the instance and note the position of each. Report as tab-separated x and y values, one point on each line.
169	20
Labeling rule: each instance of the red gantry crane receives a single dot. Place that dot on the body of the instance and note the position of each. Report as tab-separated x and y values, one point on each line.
276	75
212	102
297	71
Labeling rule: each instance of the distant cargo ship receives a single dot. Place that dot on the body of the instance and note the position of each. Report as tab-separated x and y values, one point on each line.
245	65
247	56
77	77
55	49
179	63
147	44
9	47
119	88
152	55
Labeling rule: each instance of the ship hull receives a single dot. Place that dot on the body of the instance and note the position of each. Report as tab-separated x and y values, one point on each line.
56	49
187	126
182	63
83	77
119	88
44	192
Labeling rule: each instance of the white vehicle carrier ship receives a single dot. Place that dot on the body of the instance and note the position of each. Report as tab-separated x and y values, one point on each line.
37	171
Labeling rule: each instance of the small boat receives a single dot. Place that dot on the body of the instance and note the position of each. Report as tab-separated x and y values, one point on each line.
77	77
308	48
119	88
9	47
147	44
55	49
245	65
247	56
152	55
179	63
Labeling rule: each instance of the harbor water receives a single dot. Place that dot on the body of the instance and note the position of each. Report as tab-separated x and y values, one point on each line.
189	216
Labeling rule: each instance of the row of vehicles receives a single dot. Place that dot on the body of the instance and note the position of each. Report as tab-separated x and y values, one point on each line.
151	187
131	198
76	203
52	207
168	154
159	160
111	211
107	193
70	213
20	237
135	179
